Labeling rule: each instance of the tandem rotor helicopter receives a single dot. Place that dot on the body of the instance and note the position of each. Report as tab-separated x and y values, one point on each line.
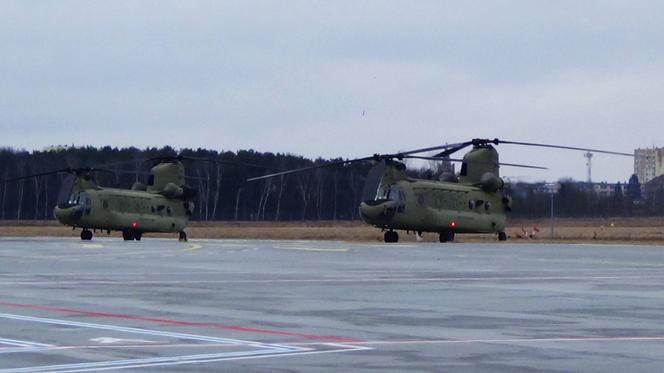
474	201
163	204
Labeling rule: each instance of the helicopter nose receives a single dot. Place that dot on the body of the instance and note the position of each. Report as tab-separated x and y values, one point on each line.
68	215
377	212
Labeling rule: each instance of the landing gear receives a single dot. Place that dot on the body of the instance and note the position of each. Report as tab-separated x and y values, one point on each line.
446	236
391	236
502	236
183	236
138	235
128	235
86	235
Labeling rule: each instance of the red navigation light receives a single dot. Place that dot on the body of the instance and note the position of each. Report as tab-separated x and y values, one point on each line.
452	223
134	225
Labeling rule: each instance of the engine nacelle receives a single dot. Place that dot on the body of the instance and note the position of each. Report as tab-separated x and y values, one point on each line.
172	191
139	186
489	182
448	177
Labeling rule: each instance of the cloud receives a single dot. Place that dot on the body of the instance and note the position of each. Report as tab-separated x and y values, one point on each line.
336	78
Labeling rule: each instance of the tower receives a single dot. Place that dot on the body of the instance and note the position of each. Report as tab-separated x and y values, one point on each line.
589	157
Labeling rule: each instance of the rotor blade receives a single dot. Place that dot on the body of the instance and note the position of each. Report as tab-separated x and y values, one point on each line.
454	149
37	175
329	164
437	147
564	147
461	160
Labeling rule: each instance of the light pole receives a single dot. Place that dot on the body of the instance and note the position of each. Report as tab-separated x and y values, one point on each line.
551	188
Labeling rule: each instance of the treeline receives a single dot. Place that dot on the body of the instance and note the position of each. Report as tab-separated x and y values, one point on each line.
223	194
573	199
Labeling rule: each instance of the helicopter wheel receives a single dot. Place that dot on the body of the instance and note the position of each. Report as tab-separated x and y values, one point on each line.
86	235
138	235
446	236
391	236
502	236
183	236
128	235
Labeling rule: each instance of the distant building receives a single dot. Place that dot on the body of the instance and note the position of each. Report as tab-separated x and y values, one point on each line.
605	189
653	187
648	163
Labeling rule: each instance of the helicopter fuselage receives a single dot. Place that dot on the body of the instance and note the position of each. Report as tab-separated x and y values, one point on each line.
121	209
436	206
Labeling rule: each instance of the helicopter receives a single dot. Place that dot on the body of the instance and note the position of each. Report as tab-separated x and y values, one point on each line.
163	204
472	201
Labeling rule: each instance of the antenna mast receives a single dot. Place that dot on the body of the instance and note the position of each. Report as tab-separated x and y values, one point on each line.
589	157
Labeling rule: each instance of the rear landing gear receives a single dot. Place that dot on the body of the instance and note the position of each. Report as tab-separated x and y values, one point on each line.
502	236
183	236
391	236
86	235
446	236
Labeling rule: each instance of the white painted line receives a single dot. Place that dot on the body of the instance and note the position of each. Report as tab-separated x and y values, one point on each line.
19	343
144	331
189	359
264	349
510	340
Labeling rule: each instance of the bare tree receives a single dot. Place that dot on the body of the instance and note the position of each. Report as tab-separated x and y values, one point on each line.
237	201
217	192
304	187
282	184
335	189
4	192
37	194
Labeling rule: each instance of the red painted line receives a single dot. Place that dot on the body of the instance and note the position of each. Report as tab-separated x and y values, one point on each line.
236	328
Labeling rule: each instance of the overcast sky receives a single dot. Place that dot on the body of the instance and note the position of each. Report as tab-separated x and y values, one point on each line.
337	78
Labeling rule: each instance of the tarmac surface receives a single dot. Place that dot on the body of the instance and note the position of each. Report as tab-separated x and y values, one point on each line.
280	306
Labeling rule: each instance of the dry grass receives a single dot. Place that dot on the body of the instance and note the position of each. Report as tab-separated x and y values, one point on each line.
619	230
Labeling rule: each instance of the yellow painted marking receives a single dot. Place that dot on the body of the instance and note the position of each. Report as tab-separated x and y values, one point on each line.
194	247
93	246
311	249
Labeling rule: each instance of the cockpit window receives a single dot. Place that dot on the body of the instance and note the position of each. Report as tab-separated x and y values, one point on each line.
79	198
464	169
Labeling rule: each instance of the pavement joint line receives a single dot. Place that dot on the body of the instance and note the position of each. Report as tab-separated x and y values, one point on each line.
340	280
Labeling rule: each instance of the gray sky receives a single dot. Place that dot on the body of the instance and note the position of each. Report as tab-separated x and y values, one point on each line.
297	76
